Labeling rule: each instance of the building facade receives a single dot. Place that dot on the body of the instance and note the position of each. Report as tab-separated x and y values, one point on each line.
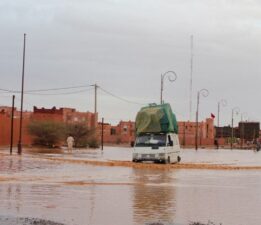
206	133
63	115
122	133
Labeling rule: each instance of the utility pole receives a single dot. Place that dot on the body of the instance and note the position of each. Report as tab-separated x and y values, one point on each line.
102	134
95	110
218	114
223	103
242	130
191	73
12	126
19	146
95	102
184	135
232	130
161	89
95	98
236	109
196	137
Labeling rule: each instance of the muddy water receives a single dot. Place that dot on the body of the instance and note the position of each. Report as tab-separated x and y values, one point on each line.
209	156
82	194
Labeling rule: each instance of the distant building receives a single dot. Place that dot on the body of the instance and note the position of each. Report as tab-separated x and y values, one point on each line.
225	132
248	130
187	132
63	115
122	133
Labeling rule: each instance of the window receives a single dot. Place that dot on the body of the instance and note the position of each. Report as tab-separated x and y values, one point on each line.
125	129
147	140
113	131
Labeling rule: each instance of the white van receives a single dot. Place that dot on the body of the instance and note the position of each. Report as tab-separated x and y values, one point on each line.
157	147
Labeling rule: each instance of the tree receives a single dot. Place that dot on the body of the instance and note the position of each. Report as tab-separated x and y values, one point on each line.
46	133
80	133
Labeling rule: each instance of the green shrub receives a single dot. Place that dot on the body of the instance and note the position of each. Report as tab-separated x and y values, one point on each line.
93	143
46	133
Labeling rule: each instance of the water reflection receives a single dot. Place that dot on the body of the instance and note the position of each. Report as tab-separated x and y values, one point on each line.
11	196
83	194
153	198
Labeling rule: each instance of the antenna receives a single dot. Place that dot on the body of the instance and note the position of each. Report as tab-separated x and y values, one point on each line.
191	72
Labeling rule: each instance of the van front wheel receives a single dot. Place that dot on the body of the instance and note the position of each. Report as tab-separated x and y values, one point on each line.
179	158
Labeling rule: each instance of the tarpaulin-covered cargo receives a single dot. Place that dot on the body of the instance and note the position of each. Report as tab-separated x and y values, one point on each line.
156	118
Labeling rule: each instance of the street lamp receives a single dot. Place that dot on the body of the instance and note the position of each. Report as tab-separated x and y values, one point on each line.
242	116
223	103
242	130
236	110
172	77
204	92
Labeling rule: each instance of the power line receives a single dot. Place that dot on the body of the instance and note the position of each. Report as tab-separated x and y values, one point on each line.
49	89
56	89
35	92
62	93
9	91
118	97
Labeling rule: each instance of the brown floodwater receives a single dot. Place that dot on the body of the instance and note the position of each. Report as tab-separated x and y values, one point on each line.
208	156
81	194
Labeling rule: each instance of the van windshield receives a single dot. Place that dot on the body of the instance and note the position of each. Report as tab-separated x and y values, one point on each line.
147	140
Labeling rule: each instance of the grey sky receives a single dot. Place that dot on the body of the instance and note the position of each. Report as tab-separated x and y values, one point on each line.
124	46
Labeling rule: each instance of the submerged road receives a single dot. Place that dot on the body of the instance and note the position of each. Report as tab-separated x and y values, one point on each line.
62	188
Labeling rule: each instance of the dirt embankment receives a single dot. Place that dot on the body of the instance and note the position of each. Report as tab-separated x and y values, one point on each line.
157	166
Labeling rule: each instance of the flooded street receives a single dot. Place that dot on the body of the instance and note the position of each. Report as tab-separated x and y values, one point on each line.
80	194
213	156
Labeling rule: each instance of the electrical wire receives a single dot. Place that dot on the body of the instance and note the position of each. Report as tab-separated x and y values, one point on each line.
56	89
120	98
36	92
42	90
8	91
62	93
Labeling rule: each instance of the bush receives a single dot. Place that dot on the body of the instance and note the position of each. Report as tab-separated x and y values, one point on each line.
93	143
46	133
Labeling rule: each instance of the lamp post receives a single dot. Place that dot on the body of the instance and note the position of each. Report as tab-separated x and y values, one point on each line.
223	103
236	110
242	130
242	116
172	77
19	146
204	92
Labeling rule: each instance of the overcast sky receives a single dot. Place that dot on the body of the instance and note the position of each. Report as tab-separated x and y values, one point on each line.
125	45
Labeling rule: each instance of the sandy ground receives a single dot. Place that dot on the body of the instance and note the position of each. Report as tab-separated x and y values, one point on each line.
156	166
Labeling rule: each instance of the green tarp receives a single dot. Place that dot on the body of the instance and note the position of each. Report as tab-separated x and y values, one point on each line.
156	118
